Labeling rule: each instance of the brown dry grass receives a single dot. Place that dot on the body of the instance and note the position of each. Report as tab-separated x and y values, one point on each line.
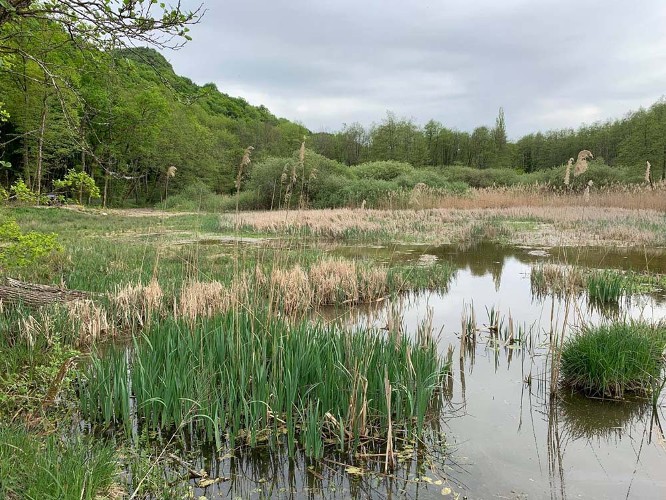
136	303
564	220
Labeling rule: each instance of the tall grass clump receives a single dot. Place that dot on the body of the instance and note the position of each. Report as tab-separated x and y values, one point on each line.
239	376
606	287
613	359
54	469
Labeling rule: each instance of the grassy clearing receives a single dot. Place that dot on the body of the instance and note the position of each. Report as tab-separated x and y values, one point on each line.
248	376
49	468
614	359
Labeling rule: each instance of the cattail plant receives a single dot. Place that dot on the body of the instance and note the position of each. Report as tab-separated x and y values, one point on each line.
245	162
586	195
581	162
171	172
568	172
301	165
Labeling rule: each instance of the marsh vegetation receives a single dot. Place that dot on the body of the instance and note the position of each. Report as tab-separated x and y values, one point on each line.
257	356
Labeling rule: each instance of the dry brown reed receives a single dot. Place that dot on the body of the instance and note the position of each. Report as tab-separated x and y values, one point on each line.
91	320
581	162
199	299
137	303
648	179
293	292
618	216
567	174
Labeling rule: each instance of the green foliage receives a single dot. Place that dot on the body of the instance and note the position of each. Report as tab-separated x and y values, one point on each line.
383	170
476	178
18	250
22	193
256	368
611	360
79	184
278	182
607	287
4	114
50	468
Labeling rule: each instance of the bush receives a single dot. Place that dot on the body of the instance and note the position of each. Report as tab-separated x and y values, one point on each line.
610	360
22	193
19	250
481	178
273	177
369	190
78	185
383	170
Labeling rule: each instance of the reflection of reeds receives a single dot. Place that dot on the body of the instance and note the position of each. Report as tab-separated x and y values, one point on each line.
556	279
585	418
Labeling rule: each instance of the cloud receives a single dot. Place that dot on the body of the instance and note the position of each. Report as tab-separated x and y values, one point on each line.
550	64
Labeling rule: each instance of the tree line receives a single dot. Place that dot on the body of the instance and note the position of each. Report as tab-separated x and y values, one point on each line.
76	99
628	142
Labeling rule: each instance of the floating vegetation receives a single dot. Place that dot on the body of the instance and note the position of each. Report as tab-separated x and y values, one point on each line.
613	359
242	376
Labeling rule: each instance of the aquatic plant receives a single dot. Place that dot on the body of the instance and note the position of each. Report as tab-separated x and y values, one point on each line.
606	287
612	359
238	375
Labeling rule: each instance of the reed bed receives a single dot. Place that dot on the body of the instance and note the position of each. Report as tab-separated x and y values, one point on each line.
555	225
242	377
614	359
604	287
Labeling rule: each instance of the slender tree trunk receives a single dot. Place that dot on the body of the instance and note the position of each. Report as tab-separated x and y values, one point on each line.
26	108
40	149
106	188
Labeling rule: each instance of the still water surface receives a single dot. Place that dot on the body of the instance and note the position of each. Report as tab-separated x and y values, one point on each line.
504	439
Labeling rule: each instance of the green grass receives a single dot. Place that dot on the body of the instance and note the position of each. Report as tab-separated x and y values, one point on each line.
613	359
436	276
49	468
241	376
607	287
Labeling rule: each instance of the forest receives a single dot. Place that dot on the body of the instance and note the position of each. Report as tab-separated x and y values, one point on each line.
123	117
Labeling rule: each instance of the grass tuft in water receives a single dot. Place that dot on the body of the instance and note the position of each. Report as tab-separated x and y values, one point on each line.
613	359
606	287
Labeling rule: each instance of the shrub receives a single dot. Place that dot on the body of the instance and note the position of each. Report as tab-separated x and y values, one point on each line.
273	177
383	170
19	250
369	190
481	178
79	185
610	360
22	193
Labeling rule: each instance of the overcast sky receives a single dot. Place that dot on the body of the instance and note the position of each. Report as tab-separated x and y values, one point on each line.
549	63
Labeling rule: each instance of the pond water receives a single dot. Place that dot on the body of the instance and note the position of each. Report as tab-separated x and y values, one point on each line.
504	436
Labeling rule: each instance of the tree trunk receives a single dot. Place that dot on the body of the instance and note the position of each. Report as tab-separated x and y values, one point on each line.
106	187
40	149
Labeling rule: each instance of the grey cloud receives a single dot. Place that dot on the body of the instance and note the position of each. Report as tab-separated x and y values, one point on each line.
550	64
